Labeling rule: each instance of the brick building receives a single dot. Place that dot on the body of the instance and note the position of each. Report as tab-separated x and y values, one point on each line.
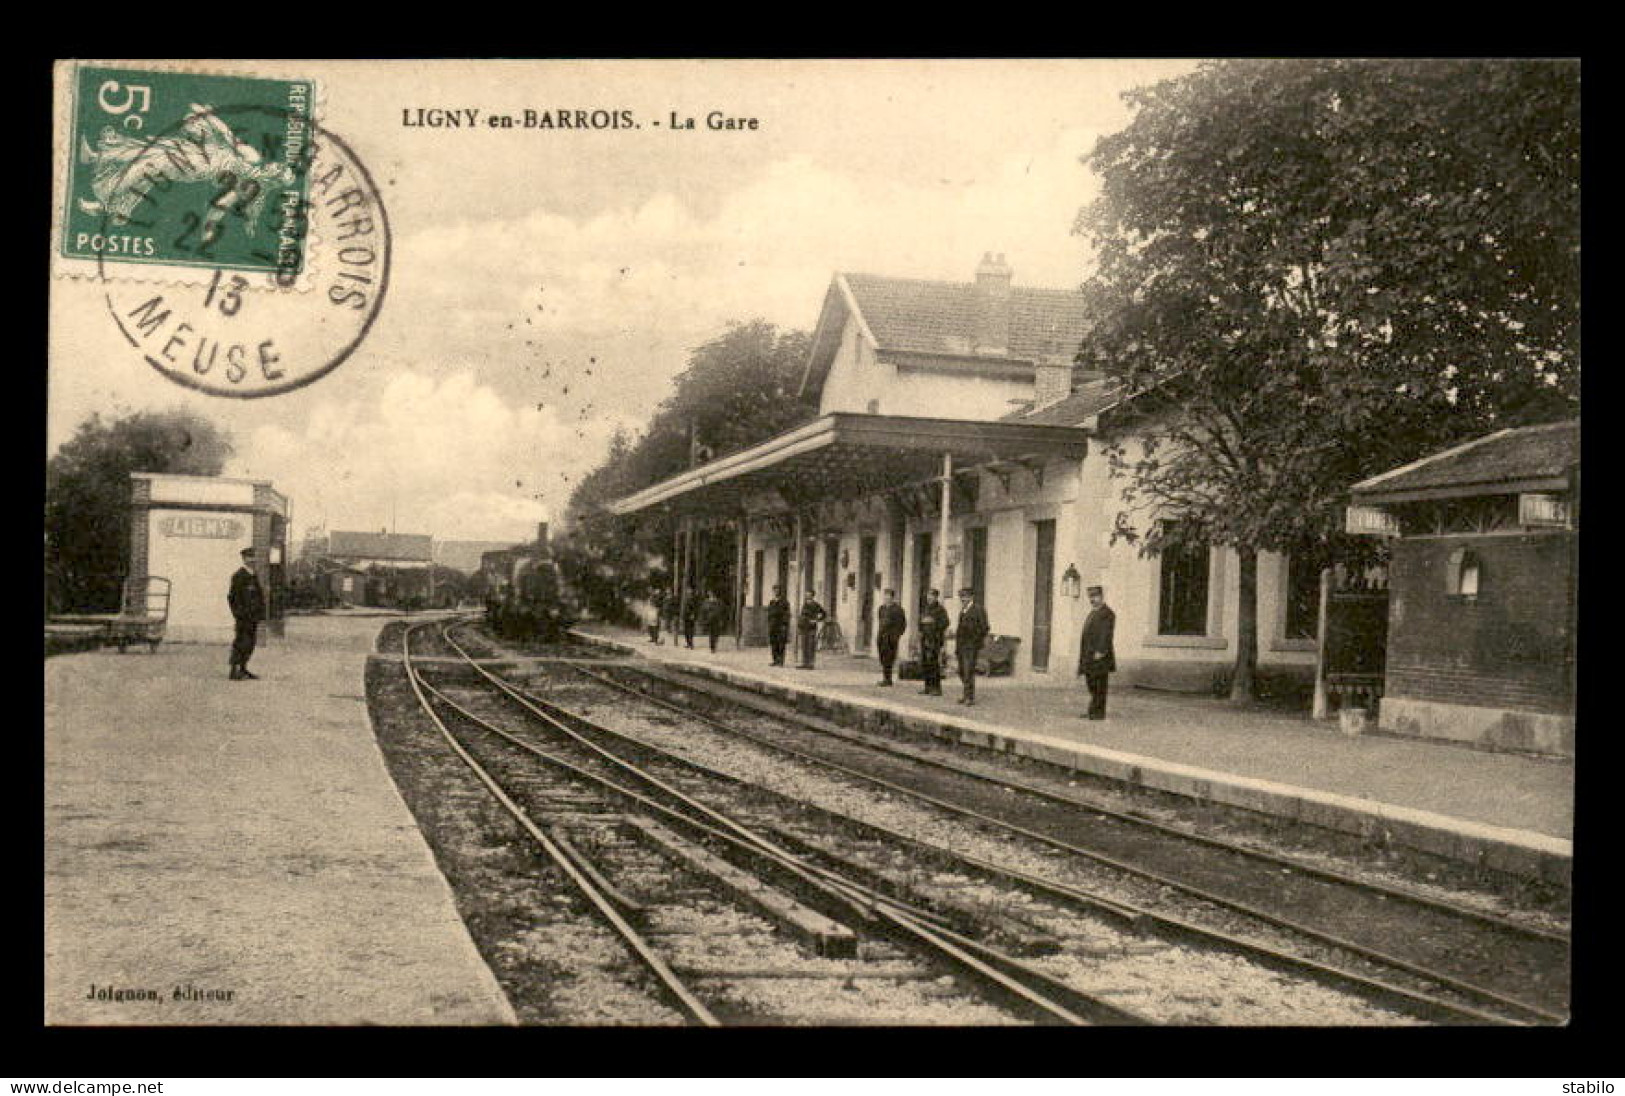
379	568
1483	579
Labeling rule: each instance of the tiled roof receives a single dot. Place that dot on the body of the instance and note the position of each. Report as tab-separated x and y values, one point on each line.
1089	400
1507	457
464	555
940	317
406	546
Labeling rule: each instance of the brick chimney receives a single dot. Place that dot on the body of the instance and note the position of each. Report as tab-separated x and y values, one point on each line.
1052	381
992	334
541	534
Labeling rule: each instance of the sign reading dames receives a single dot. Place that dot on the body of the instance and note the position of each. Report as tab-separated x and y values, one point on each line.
211	528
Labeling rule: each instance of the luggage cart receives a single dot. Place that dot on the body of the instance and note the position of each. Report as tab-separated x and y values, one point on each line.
142	619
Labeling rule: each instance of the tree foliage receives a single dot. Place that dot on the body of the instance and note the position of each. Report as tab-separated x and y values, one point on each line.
738	389
87	497
1326	269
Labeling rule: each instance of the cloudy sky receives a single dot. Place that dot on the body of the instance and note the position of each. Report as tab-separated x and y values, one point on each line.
547	285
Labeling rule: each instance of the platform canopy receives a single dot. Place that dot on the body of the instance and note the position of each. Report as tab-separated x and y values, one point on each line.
847	456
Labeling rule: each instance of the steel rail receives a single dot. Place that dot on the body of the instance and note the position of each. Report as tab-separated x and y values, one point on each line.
1275	859
685	999
1466	988
1030	988
1169	924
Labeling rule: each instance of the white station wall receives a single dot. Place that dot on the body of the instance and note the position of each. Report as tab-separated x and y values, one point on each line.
198	550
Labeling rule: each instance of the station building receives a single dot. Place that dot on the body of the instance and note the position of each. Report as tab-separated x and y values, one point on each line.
958	445
1483	585
192	530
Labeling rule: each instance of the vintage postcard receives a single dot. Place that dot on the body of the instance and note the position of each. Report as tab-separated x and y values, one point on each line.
908	542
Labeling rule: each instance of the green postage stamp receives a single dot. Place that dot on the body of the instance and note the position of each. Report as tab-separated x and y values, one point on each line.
189	169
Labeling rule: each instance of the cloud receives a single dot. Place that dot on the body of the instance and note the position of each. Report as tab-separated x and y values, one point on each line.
531	303
442	455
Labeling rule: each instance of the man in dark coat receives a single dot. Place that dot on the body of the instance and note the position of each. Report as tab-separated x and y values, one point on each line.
247	601
714	615
691	616
933	630
670	612
1096	658
811	616
969	635
778	624
893	623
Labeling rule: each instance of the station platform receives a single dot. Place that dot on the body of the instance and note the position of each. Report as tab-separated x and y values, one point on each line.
1507	812
237	850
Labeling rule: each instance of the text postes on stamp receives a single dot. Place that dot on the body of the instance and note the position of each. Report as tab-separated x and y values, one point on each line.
254	332
188	169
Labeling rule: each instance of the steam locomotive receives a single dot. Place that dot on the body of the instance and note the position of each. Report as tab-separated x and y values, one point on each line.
527	599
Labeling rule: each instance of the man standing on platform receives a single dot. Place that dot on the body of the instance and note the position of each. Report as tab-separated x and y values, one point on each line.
1096	658
812	615
893	623
778	625
670	612
714	616
933	630
657	603
691	615
968	637
247	601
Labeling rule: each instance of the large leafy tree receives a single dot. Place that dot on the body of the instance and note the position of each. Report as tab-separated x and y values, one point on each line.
738	389
87	497
1323	269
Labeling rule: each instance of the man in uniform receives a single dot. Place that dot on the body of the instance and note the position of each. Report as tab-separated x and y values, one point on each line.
933	629
893	623
670	610
778	625
812	615
714	616
1096	658
247	601
968	637
691	616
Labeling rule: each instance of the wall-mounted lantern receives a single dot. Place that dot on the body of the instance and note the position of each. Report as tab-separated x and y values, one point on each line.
1071	582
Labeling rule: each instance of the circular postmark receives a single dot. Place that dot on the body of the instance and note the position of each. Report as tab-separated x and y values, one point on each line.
291	245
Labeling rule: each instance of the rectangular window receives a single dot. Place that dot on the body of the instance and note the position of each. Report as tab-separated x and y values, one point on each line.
976	562
756	574
1302	600
1182	606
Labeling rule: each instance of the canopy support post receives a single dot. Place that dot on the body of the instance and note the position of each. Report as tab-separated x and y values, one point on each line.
741	525
794	596
940	564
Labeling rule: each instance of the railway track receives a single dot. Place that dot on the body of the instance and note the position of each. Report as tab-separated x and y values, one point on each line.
1417	996
1516	969
594	794
1469	964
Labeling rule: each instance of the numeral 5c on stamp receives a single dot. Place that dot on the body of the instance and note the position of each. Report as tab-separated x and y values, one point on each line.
189	169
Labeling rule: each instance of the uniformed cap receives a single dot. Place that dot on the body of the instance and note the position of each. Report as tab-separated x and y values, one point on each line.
1096	590
967	592
248	553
